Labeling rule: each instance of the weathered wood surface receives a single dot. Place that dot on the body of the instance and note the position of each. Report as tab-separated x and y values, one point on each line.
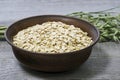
103	64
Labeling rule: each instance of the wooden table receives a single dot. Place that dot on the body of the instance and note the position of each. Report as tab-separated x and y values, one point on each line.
103	64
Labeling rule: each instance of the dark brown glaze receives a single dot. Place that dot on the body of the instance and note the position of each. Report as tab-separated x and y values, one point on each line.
51	62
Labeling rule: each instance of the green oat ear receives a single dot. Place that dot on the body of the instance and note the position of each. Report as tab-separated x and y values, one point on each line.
2	31
107	23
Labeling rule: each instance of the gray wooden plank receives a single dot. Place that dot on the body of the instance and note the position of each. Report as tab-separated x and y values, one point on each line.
102	64
14	10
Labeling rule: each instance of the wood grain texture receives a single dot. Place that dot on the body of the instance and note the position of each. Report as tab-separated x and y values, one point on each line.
10	10
103	64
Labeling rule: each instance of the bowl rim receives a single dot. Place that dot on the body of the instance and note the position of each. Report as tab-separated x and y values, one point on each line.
43	53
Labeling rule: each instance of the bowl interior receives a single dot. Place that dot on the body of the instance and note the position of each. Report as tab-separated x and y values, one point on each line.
27	22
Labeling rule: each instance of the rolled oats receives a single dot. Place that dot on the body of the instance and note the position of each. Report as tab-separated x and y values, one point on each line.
52	37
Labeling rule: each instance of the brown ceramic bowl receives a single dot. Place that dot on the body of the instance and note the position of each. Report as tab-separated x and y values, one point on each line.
51	62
